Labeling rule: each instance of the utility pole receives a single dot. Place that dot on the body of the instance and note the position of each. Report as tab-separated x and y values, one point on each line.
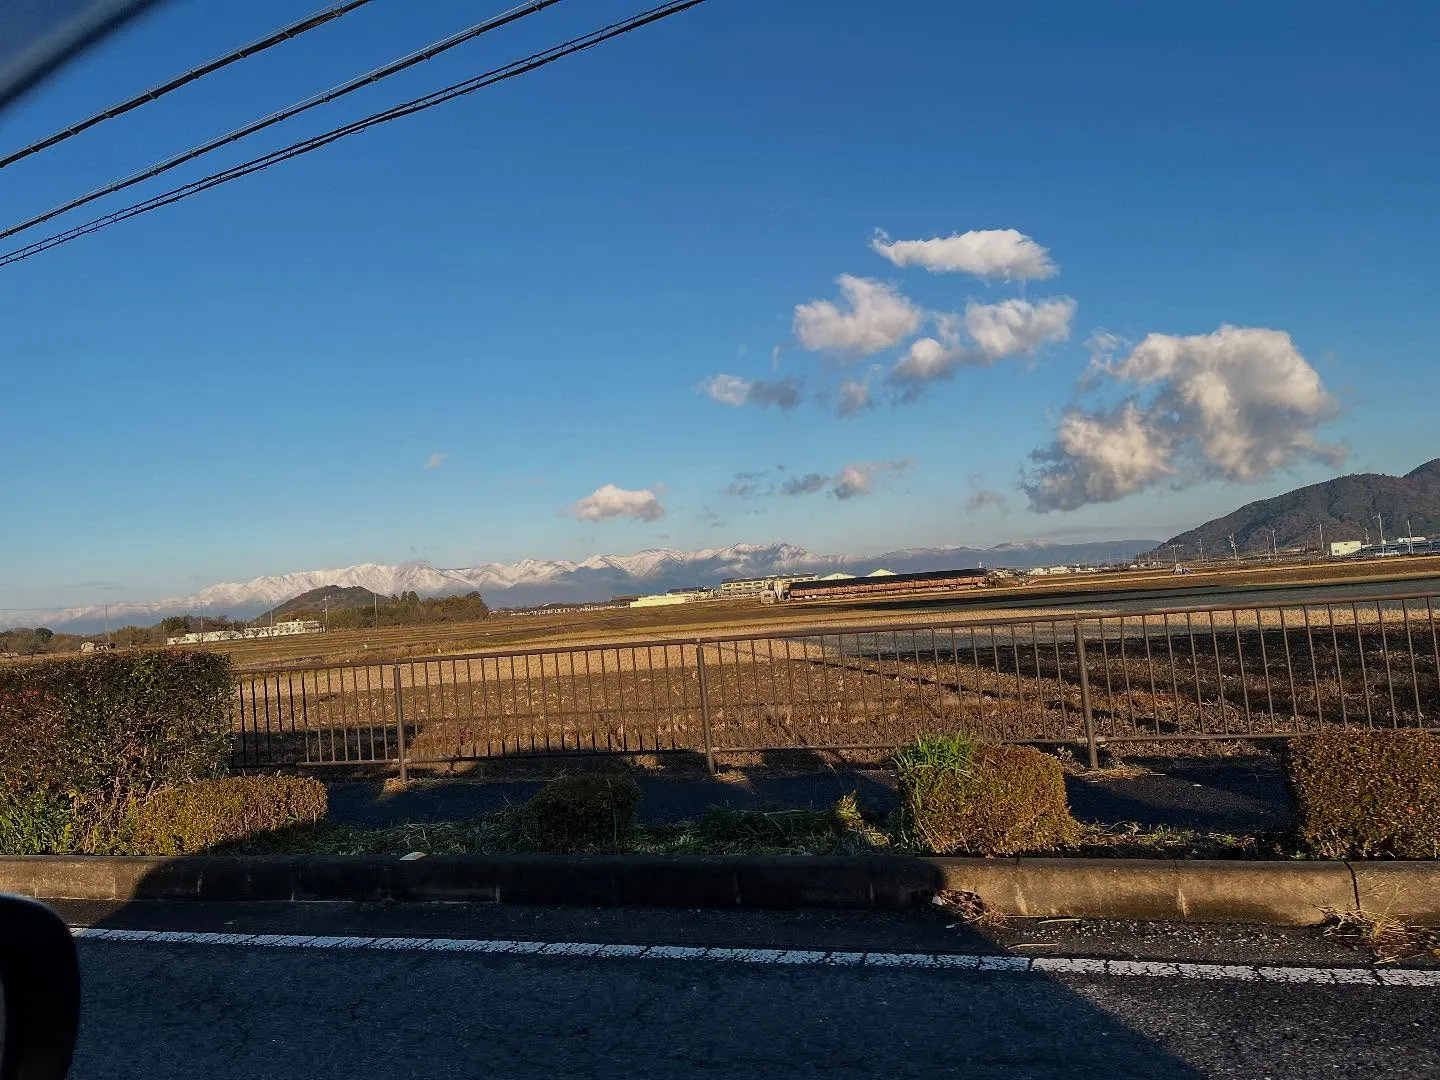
1202	550
1322	539
1381	520
327	614
1410	532
1234	552
375	598
107	622
1274	547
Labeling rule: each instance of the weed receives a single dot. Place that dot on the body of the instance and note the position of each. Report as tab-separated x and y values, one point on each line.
1387	938
968	907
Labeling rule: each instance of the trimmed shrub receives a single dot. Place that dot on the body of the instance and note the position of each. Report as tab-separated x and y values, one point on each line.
959	796
197	817
573	812
105	729
34	823
1366	795
142	719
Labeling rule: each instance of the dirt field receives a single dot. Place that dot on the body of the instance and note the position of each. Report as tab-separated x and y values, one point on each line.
1186	675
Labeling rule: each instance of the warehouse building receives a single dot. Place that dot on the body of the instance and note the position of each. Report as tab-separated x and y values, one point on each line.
887	584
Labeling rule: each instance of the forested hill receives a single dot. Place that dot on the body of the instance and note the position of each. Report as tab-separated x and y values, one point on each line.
1345	507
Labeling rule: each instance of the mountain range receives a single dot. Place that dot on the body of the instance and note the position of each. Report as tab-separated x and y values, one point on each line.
536	581
1346	508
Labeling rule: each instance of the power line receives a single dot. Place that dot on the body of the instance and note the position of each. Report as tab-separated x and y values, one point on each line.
370	77
305	146
277	37
65	38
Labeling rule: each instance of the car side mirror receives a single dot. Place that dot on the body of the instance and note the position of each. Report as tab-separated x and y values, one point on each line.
40	983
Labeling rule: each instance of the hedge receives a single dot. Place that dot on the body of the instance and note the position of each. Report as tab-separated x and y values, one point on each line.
572	812
1365	795
199	817
101	731
959	796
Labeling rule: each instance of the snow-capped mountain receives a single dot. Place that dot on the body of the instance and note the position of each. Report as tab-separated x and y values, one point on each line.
541	581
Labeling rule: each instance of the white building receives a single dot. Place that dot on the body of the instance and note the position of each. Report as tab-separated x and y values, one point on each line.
664	600
737	587
1345	547
279	629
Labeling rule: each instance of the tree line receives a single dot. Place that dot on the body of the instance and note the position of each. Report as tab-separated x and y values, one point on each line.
406	609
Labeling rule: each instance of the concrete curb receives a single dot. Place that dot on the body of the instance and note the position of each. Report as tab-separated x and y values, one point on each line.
1280	893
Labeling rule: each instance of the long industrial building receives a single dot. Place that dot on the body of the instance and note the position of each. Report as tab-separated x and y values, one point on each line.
887	585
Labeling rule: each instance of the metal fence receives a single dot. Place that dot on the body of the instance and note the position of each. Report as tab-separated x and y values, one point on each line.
1263	671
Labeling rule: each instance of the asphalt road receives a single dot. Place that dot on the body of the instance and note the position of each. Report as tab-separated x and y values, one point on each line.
174	1010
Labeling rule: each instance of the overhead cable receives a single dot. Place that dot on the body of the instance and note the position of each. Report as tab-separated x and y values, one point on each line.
277	37
305	146
369	78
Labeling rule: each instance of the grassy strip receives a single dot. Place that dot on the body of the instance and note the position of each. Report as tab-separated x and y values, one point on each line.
840	830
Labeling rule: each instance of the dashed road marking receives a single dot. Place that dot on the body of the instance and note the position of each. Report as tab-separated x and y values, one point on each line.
999	965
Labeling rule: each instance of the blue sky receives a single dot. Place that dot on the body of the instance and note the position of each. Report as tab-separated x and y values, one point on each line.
538	281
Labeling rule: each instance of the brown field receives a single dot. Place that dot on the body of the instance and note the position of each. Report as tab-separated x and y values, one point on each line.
1184	675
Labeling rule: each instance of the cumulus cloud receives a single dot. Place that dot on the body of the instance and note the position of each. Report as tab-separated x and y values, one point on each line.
610	502
747	485
434	461
727	389
861	477
854	397
804	485
1236	404
928	359
981	497
1017	327
733	390
985	334
1006	254
875	317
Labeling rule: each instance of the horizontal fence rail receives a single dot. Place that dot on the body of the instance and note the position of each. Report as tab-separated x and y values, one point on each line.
1262	671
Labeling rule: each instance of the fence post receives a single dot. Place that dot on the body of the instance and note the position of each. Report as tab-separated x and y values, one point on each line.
704	707
400	726
1085	709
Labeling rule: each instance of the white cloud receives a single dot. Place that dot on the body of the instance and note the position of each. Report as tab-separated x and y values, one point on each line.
733	390
610	502
981	497
985	334
854	397
877	318
727	389
861	477
855	479
804	485
987	253
1017	327
1237	404
927	360
435	460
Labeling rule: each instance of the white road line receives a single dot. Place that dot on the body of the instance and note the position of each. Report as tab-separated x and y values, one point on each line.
1012	965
